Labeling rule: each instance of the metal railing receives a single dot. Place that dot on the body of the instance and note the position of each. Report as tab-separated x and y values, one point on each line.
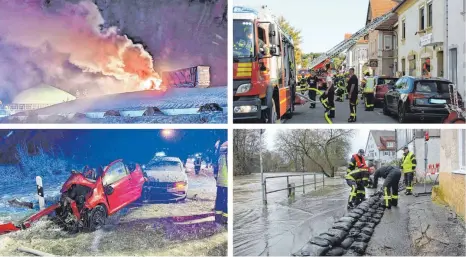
291	187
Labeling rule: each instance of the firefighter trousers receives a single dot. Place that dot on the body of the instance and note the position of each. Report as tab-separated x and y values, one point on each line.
328	101
390	189
312	96
357	193
408	181
353	102
221	205
369	101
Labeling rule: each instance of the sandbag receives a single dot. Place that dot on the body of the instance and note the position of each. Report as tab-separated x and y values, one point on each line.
370	225
379	212
367	231
320	241
363	208
364	219
332	239
354	232
374	220
347	242
367	214
359	225
337	251
313	250
351	253
361	237
358	211
347	219
353	215
342	225
377	216
340	234
359	247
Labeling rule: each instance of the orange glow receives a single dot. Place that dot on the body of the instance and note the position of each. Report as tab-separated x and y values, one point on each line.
167	133
151	84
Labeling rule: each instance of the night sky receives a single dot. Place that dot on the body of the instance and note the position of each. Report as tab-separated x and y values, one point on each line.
100	147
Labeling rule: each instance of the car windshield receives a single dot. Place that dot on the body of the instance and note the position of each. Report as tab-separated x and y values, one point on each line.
425	86
243	35
163	165
388	81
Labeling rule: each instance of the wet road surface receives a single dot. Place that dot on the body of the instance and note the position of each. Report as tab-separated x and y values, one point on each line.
282	227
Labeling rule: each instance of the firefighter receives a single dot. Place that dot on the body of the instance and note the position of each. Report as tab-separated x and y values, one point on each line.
368	93
408	166
358	163
327	99
389	188
245	44
341	88
353	94
221	201
312	82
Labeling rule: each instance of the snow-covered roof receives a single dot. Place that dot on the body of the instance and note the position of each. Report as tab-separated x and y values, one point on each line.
43	94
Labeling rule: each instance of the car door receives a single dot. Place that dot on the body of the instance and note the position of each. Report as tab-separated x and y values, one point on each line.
117	183
389	95
136	183
395	94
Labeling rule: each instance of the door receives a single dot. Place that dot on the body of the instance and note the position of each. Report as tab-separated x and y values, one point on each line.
398	92
391	94
136	184
117	186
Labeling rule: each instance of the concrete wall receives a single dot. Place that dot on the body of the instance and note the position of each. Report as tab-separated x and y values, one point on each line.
433	149
452	186
456	39
177	33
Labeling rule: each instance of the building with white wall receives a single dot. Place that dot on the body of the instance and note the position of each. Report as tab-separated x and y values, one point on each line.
455	41
380	147
356	56
414	139
421	26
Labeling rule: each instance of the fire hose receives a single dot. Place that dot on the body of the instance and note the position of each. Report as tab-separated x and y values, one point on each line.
329	121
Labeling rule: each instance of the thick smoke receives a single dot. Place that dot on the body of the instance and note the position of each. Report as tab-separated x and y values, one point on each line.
62	44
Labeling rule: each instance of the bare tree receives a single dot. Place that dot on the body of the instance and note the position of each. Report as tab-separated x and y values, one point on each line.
324	148
245	151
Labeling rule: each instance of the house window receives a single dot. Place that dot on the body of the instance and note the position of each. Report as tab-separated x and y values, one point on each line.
412	65
429	15
454	65
403	30
403	66
421	19
387	41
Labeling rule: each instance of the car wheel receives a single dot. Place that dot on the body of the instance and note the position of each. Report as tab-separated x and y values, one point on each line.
97	218
401	113
385	108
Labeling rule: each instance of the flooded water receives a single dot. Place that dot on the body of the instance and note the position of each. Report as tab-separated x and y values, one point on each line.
283	226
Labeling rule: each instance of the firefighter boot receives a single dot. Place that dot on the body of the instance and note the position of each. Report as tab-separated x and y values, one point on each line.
394	201
331	114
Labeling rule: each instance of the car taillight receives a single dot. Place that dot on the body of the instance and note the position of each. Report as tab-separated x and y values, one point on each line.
413	96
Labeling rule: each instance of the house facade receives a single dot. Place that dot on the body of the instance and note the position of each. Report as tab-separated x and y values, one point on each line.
382	40
451	188
455	42
356	56
380	147
421	26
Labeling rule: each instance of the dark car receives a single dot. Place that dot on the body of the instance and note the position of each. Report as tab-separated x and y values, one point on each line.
382	86
422	98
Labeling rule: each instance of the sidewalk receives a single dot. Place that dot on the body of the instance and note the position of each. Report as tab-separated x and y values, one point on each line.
418	227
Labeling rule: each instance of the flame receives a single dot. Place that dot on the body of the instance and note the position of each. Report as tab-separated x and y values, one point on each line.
152	84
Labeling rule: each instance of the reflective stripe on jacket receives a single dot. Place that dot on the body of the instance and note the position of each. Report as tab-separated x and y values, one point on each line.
222	179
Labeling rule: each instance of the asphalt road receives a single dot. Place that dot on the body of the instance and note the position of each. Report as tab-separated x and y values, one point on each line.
304	114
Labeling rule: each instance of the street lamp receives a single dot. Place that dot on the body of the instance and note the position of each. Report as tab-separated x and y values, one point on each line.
167	133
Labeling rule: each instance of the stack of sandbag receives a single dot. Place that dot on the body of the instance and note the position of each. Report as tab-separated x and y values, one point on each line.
350	234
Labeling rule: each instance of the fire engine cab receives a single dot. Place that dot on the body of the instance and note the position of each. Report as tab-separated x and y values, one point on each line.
264	68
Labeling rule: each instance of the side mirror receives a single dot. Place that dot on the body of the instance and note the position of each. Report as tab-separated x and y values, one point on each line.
274	35
109	190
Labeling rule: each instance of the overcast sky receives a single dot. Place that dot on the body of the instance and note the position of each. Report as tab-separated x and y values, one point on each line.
357	142
323	24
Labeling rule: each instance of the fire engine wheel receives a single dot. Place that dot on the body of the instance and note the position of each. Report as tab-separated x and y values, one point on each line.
270	114
97	218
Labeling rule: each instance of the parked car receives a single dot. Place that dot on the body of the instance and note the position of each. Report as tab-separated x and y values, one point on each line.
420	98
166	179
382	85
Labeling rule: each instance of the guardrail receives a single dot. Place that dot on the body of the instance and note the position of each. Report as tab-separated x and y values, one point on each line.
291	187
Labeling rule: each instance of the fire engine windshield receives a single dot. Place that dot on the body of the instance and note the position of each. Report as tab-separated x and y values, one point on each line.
243	36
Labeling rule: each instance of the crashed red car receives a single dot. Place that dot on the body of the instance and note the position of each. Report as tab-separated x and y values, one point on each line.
382	86
88	198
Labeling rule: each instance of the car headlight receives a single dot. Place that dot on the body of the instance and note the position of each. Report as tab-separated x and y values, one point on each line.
243	88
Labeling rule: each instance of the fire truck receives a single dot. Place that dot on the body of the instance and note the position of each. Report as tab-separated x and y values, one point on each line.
264	68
